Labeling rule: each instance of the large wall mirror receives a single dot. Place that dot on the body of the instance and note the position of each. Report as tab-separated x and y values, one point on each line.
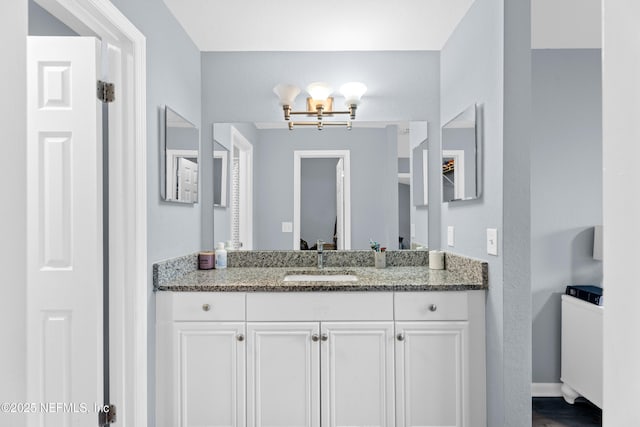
288	189
180	159
460	157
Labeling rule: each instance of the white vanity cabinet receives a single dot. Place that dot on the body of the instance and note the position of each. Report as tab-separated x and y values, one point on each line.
440	370
283	375
321	359
201	360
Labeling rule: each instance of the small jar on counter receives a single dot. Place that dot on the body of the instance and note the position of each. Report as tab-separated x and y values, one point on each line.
206	260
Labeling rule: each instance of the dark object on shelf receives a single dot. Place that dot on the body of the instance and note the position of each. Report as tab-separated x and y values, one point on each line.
592	294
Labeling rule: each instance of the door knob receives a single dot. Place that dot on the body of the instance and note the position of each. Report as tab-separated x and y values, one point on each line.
324	337
240	337
315	337
206	307
400	337
433	307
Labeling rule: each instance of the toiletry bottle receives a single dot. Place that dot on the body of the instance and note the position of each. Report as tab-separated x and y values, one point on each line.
221	256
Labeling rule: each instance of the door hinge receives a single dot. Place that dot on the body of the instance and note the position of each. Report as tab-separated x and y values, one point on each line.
107	415
106	91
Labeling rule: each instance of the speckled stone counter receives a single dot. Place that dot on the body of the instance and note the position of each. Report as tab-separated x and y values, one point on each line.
259	272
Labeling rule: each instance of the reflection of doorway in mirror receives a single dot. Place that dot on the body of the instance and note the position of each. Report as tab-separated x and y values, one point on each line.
338	230
220	161
187	180
452	175
241	192
182	175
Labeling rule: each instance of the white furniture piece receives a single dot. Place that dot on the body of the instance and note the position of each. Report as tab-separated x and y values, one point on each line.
581	366
321	359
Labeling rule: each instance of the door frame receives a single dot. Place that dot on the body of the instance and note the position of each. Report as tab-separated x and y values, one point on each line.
127	203
298	155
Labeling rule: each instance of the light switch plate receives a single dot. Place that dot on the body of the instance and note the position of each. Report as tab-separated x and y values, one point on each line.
287	227
492	241
451	236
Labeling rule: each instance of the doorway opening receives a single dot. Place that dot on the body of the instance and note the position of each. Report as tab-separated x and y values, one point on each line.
340	223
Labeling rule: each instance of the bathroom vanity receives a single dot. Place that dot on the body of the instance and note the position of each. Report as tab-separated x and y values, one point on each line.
401	346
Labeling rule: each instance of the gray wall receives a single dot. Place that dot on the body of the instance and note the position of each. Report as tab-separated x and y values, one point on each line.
566	190
413	93
317	199
42	23
476	45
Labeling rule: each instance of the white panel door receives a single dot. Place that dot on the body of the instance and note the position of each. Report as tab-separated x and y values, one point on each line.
211	373
431	374
64	229
283	373
357	374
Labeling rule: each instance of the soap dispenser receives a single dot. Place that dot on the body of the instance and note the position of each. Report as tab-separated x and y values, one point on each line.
221	256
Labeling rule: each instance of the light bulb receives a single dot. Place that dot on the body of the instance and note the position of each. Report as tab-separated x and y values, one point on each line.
287	93
319	91
352	92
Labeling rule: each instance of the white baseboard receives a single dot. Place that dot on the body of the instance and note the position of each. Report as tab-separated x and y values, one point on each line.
546	390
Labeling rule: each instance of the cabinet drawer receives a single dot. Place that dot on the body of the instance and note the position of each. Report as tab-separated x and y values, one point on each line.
202	306
431	306
319	306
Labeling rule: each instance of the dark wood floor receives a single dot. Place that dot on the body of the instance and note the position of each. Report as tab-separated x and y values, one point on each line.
555	412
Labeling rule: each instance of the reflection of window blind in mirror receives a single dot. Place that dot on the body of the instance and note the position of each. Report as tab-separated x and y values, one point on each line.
235	202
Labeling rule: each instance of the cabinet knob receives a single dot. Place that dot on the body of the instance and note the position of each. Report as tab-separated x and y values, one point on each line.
324	337
400	337
315	337
433	307
206	307
240	337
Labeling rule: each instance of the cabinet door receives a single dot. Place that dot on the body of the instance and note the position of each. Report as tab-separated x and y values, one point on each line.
283	376
431	374
357	374
210	373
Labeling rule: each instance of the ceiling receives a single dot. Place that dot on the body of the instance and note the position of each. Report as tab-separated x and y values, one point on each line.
362	25
329	25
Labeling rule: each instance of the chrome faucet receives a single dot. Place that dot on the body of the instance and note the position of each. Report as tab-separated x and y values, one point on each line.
320	247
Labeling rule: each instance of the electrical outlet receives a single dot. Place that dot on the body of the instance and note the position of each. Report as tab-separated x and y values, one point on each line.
451	236
492	241
287	227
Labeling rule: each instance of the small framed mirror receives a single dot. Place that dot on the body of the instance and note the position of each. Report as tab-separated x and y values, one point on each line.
181	139
460	157
220	174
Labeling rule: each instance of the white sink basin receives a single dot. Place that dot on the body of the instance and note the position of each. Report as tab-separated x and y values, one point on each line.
320	278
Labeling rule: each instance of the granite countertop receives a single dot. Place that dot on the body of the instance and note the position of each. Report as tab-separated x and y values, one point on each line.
271	279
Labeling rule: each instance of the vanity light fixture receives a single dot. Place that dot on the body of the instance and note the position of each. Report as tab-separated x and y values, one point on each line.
320	103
